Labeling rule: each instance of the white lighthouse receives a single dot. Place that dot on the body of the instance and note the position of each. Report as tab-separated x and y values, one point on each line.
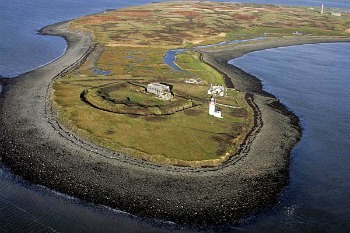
212	106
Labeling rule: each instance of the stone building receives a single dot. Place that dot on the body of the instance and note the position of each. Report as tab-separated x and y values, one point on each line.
216	90
160	90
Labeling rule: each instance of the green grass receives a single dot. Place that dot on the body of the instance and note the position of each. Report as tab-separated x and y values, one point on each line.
190	61
136	97
126	98
135	41
188	135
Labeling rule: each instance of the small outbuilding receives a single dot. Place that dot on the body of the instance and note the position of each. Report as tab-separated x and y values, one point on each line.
193	81
338	14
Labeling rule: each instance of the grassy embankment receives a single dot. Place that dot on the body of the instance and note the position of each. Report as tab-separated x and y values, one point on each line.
131	45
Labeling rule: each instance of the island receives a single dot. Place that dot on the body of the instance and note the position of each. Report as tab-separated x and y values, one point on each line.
194	142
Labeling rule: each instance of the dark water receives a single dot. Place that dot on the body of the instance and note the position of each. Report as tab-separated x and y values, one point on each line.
21	49
317	196
170	58
313	81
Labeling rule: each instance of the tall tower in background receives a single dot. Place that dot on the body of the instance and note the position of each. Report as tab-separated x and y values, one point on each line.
322	8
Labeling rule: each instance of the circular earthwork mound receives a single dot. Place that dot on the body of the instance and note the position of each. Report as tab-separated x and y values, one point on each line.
132	98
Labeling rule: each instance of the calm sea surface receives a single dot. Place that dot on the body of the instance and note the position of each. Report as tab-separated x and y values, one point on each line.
312	80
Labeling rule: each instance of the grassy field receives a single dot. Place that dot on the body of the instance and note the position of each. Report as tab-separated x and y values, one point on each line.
132	98
191	62
189	135
131	44
184	24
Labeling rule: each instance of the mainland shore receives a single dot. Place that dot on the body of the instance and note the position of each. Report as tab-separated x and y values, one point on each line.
38	148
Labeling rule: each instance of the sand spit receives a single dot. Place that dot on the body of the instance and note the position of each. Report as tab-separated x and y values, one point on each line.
35	146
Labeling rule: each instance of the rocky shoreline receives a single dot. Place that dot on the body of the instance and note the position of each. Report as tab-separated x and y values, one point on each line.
38	148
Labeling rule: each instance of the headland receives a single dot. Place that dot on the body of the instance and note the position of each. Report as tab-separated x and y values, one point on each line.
36	146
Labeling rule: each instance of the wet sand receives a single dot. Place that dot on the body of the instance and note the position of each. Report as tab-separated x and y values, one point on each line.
38	148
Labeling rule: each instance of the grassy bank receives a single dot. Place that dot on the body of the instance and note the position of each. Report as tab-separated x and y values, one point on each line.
131	45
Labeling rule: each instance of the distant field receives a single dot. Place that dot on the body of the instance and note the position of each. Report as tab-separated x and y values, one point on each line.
184	24
131	44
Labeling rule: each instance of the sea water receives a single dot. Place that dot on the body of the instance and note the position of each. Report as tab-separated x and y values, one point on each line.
316	198
313	81
22	49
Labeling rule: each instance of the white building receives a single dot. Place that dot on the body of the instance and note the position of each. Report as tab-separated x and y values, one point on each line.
336	14
193	81
212	109
216	90
161	90
217	114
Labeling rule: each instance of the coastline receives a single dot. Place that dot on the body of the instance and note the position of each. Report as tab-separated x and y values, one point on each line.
37	147
219	56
